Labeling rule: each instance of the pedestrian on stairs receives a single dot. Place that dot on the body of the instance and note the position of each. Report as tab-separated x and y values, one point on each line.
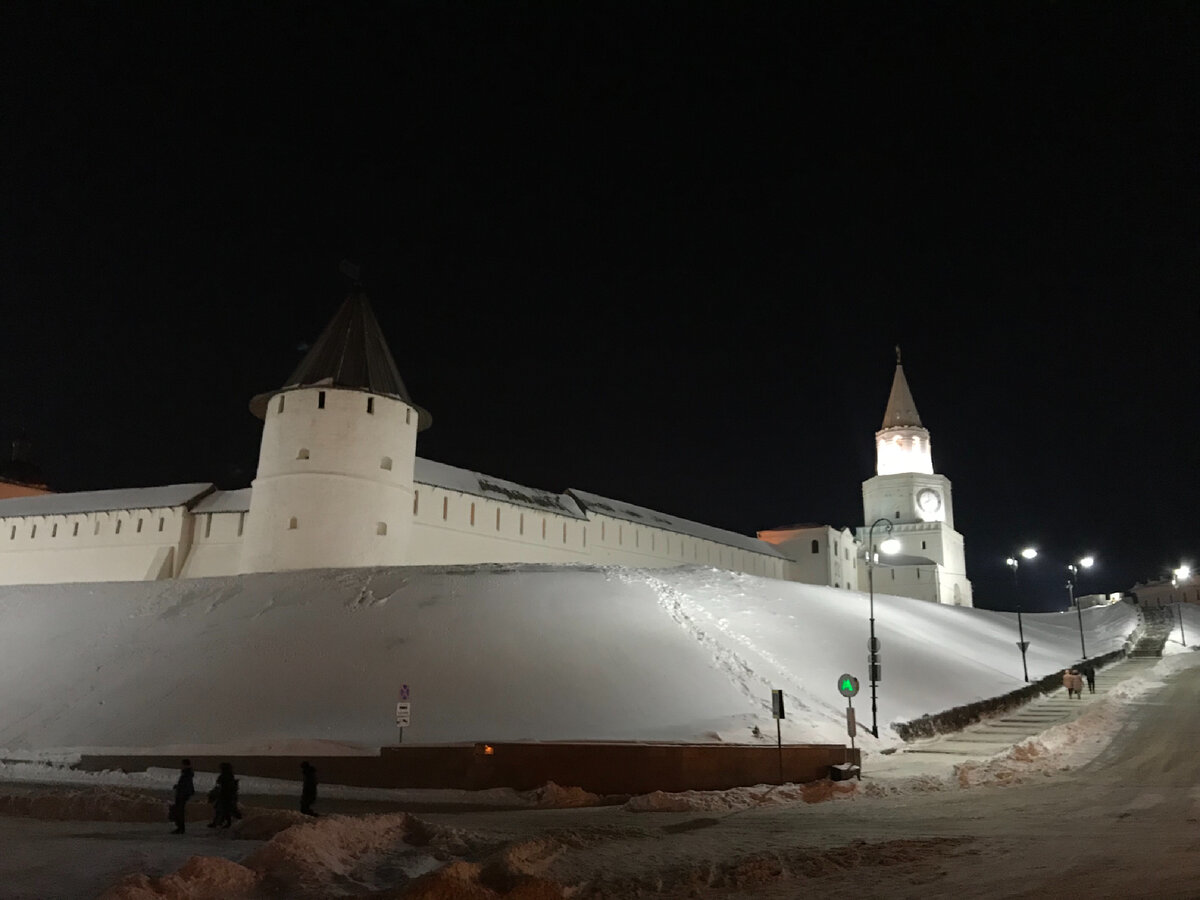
1089	672
1069	682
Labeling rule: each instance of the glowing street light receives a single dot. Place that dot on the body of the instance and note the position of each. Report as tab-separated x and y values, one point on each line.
1086	563
889	546
1183	573
1014	563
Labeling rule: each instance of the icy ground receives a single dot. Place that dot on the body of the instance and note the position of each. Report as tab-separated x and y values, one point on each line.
1042	819
312	662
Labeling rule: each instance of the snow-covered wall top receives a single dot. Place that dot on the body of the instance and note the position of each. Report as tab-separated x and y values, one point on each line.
165	497
618	509
436	474
225	502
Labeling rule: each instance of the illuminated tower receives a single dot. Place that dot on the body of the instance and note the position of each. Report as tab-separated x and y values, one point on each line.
335	468
919	503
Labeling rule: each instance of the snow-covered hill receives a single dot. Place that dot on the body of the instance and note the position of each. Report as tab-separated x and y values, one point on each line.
264	662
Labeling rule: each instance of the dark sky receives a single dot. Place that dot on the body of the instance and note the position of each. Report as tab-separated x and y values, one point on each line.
659	251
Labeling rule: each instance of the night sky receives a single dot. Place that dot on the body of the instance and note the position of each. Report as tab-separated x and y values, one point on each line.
659	251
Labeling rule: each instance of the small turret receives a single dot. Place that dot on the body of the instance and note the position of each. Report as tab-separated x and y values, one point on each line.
902	443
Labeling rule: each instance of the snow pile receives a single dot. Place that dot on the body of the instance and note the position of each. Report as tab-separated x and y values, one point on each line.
275	662
741	798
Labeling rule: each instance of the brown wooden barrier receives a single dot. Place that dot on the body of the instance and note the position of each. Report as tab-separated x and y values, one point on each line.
602	768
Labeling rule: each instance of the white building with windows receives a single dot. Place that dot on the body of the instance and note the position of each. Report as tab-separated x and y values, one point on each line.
339	484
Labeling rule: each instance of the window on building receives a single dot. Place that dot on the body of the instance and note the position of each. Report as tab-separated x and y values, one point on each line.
54	530
445	508
846	554
620	535
472	513
320	399
370	406
139	526
162	522
543	528
118	528
816	546
408	417
381	528
585	536
416	501
922	545
302	454
207	524
241	523
835	548
521	524
96	530
603	529
564	532
280	403
13	534
897	514
293	524
497	518
75	531
386	463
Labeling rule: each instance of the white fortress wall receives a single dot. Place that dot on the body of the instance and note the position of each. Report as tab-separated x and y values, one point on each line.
140	534
219	522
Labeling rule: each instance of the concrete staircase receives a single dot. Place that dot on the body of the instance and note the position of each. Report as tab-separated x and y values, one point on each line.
1157	625
995	735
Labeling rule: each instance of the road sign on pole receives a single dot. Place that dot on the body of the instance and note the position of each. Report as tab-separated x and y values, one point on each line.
404	714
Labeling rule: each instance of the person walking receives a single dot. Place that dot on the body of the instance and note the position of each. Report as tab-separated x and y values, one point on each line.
1089	672
1069	682
308	790
1077	684
224	797
184	788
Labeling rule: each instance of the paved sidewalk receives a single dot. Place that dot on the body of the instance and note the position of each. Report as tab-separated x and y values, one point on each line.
997	734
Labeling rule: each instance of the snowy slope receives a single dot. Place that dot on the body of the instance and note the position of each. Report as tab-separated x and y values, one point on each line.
490	653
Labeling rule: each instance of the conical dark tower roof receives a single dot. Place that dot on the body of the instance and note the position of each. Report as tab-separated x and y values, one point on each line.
350	353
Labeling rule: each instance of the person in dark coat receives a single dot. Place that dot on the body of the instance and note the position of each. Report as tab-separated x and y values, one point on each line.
184	789
1089	672
308	790
224	796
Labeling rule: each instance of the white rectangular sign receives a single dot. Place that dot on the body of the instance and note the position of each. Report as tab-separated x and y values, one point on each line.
403	714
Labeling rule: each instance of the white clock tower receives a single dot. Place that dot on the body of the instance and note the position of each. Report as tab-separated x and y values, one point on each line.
906	491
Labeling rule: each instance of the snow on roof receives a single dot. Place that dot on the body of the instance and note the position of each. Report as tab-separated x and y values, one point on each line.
225	502
165	497
437	474
618	509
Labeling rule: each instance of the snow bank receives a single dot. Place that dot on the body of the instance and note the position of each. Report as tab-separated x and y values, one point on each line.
274	662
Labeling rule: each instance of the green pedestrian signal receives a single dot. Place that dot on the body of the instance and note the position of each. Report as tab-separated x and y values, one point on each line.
847	685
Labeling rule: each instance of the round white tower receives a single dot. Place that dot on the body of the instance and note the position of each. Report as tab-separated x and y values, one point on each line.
335	469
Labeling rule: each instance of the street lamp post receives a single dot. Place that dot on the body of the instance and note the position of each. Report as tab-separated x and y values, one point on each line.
1014	564
1073	568
873	669
1180	574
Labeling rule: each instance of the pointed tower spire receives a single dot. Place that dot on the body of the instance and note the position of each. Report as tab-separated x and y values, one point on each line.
901	411
350	353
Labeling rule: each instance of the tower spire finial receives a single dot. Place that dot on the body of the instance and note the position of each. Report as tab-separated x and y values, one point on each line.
897	354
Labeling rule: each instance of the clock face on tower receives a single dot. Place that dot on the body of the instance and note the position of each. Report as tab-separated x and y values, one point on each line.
929	502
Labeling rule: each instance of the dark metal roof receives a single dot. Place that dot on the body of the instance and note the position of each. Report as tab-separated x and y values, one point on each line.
350	353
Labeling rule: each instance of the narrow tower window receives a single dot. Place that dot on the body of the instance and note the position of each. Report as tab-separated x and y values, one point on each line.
370	406
521	524
816	547
293	524
118	531
241	523
280	404
408	417
497	518
207	524
381	528
75	531
445	508
472	513
303	454
416	501
162	522
33	531
564	532
54	530
139	526
320	399
386	463
12	535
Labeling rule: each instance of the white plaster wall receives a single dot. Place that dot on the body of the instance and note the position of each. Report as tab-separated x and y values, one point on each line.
329	480
894	497
452	528
104	546
216	545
